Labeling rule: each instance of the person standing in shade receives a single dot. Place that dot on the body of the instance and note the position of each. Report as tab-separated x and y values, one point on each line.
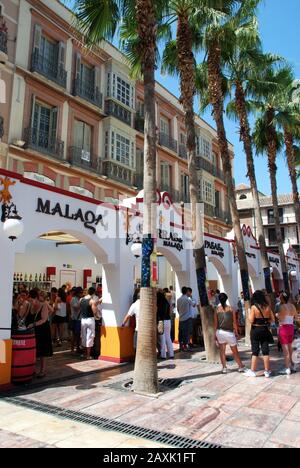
38	320
261	318
60	317
164	314
134	311
185	319
287	316
88	312
194	314
227	332
76	320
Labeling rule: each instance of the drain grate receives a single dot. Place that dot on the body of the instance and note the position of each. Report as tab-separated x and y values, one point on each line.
164	384
112	425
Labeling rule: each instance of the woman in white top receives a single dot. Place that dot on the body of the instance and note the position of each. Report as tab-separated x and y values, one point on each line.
286	316
60	317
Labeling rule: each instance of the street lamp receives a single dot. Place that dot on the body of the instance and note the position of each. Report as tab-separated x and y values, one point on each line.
136	249
12	221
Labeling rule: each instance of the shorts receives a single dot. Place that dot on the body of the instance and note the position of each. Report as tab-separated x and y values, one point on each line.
226	337
58	319
260	341
88	331
286	334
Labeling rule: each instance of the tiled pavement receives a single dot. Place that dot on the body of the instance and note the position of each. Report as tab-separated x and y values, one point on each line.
240	412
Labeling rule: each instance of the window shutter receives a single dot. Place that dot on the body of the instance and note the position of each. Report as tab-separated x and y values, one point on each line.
53	123
37	38
61	55
77	66
33	100
97	75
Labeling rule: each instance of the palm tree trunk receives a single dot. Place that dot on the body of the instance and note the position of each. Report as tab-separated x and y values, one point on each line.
145	371
272	154
187	72
290	154
217	102
248	148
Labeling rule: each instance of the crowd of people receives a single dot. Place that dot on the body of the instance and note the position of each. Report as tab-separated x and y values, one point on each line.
67	313
77	312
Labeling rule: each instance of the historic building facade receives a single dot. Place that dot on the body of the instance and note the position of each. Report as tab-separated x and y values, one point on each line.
73	118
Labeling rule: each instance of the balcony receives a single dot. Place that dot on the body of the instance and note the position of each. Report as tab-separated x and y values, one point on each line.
113	170
3	39
271	220
207	166
84	160
139	181
217	213
183	151
88	91
168	142
49	69
116	110
41	141
139	123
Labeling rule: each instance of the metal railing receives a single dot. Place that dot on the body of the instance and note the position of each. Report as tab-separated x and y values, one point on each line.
115	171
48	68
182	151
168	142
207	166
3	41
85	160
217	213
139	180
88	91
43	142
116	110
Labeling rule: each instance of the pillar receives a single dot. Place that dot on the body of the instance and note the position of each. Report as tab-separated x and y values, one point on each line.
6	294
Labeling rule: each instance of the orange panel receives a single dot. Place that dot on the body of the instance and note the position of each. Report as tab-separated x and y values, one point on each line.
5	361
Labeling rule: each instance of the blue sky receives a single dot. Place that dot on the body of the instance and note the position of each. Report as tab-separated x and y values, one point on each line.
279	26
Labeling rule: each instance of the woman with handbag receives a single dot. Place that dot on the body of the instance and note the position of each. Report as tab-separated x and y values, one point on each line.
261	318
164	326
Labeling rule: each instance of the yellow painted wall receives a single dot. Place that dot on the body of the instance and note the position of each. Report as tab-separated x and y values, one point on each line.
5	361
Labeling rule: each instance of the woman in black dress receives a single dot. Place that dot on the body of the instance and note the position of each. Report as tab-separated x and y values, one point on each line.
38	319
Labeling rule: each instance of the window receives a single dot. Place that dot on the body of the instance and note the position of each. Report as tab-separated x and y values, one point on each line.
123	150
123	91
182	139
185	186
119	147
165	126
208	192
87	74
271	219
140	108
83	139
272	236
165	175
49	50
243	197
204	148
44	124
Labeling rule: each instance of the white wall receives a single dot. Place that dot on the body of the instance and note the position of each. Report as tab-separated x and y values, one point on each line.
41	254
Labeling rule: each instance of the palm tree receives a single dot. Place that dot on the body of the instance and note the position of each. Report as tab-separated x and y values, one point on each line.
268	140
288	118
179	57
100	20
243	65
217	36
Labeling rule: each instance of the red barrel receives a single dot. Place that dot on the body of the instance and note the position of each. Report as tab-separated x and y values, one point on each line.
23	356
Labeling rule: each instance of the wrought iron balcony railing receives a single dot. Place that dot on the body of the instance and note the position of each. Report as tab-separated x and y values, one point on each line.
116	110
84	159
43	142
3	41
209	167
48	68
217	213
115	171
183	151
88	91
168	142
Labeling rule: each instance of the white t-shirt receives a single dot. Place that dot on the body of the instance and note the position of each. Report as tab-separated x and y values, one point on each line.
61	309
135	310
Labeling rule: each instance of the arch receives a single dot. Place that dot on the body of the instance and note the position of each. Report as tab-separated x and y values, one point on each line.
101	252
243	197
172	258
218	265
276	274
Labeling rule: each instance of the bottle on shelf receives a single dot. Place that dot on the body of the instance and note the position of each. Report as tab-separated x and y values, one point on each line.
26	278
36	278
18	277
30	277
40	278
15	277
21	277
44	277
